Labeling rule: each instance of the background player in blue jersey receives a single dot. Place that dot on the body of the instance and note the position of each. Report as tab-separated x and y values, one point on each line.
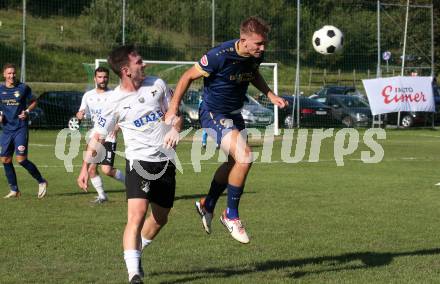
16	102
227	70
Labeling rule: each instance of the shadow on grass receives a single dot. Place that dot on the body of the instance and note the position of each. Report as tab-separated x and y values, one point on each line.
91	191
181	197
197	196
343	262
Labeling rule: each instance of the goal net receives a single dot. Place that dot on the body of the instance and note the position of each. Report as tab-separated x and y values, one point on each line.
258	112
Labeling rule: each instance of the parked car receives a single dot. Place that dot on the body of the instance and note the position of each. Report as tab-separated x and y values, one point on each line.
56	109
189	107
311	113
351	111
335	90
255	114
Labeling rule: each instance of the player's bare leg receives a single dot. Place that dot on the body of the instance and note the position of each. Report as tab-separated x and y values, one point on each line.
137	208
35	173
113	172
154	223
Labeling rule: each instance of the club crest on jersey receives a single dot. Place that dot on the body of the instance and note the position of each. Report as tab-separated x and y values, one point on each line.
141	100
204	60
17	94
21	148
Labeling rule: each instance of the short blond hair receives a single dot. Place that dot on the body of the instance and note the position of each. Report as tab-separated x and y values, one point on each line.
8	65
254	25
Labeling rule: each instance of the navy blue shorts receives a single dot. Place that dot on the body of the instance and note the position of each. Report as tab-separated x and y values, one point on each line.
217	125
16	140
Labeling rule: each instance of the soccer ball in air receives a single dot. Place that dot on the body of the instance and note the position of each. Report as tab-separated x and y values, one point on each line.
328	40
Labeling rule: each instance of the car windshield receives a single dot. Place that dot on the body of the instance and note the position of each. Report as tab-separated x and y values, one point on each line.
350	101
252	101
306	102
192	98
337	91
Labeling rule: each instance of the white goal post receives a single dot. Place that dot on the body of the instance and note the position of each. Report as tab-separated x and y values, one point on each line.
273	83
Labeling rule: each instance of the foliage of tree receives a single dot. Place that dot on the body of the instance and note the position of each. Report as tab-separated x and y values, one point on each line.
183	27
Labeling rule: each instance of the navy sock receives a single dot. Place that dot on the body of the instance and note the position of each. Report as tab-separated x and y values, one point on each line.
234	194
214	193
11	176
32	169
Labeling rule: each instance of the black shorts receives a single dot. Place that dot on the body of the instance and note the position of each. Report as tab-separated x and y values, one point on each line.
109	158
159	189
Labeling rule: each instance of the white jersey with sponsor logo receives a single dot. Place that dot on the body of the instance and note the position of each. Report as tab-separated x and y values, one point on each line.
140	115
92	103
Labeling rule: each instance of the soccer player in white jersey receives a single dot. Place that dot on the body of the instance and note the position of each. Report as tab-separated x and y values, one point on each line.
91	105
138	106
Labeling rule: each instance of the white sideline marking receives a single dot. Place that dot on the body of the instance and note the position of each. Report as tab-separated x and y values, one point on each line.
42	145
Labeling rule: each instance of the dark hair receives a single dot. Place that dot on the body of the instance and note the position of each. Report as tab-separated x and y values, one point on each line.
8	65
102	69
118	57
254	25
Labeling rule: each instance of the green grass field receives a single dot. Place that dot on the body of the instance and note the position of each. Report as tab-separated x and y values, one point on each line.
308	222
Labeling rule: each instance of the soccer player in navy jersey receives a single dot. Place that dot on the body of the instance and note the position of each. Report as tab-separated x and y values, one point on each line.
227	70
16	100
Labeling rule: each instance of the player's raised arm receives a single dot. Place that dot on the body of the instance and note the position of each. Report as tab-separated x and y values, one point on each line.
182	86
262	86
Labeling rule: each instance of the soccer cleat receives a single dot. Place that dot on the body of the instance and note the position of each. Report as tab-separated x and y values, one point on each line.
13	194
205	215
136	279
235	227
99	200
42	189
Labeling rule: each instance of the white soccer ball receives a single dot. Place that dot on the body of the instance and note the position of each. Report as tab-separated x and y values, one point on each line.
328	40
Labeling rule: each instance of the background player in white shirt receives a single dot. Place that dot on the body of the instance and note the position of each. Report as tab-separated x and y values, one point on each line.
91	106
138	106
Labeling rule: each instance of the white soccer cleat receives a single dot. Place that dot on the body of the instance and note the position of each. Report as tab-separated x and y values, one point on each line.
13	194
42	190
235	227
437	183
205	215
99	200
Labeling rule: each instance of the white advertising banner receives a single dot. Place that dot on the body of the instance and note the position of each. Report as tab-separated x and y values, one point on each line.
400	93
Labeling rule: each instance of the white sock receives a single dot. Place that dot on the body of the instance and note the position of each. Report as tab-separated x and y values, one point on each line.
119	176
97	184
132	258
145	242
